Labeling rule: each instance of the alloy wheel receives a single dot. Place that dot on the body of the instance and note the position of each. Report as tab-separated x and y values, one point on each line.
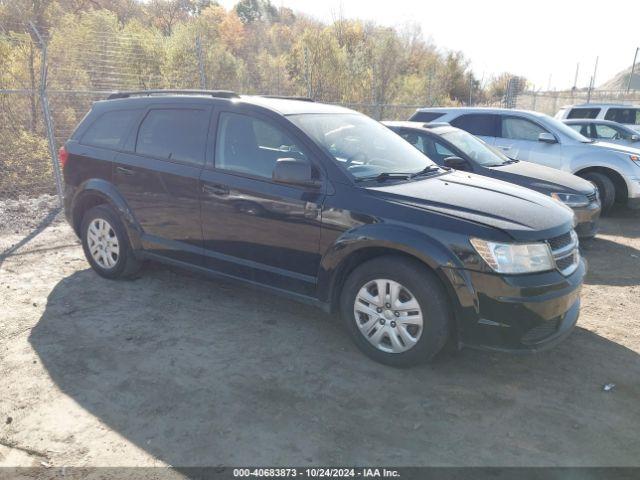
103	243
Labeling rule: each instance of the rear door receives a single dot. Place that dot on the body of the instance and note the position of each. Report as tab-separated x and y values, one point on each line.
255	228
158	174
519	140
483	125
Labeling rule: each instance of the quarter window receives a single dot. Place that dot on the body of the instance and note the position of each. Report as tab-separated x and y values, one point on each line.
583	113
174	134
629	116
249	145
110	129
477	124
520	129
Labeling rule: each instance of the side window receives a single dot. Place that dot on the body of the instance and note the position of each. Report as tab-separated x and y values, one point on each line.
414	139
583	113
581	129
174	134
426	117
520	129
629	116
248	145
477	124
605	131
110	129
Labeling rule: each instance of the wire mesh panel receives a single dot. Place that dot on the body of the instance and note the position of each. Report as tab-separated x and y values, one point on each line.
27	186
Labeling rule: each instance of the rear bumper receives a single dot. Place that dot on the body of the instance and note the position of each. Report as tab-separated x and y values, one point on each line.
518	313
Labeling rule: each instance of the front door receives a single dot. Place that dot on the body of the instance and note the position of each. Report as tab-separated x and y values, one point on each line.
254	228
518	139
159	179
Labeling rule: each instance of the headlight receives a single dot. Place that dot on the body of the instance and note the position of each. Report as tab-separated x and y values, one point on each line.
571	199
515	257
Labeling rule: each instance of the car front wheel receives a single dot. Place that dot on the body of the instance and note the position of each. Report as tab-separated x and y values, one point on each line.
396	311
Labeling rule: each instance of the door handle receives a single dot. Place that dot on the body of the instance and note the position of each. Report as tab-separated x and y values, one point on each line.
125	171
218	190
505	148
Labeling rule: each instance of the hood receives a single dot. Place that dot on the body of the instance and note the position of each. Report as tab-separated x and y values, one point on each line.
540	178
616	147
522	213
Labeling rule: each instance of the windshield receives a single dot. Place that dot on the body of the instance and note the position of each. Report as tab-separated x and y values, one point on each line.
475	148
566	130
362	146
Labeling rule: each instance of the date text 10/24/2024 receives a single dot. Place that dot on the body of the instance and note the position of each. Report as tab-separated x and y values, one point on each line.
316	472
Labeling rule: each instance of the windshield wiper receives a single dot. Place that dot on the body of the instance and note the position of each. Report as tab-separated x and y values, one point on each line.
426	171
385	176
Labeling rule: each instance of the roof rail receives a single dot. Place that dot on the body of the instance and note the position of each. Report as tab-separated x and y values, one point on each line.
285	97
148	93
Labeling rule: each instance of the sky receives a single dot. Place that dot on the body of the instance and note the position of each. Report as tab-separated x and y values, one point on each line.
542	40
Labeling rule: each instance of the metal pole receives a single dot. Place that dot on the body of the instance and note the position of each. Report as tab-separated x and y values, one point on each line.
633	67
595	70
589	92
575	80
203	78
47	115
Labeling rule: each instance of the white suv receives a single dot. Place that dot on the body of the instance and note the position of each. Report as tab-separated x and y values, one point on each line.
539	138
625	114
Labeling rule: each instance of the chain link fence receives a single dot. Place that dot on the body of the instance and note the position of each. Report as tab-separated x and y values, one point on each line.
49	87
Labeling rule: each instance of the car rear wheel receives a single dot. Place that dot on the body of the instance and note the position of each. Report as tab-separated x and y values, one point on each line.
606	189
396	311
106	244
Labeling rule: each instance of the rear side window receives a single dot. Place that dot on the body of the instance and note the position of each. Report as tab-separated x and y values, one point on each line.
477	124
426	117
582	129
630	116
174	134
583	113
521	129
248	145
110	129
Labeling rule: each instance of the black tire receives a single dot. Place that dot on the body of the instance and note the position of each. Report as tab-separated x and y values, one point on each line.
606	189
427	290
126	264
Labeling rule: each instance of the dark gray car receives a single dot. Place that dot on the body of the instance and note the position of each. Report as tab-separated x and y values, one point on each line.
452	147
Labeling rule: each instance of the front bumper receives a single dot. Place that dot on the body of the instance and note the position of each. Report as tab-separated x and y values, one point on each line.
524	313
587	220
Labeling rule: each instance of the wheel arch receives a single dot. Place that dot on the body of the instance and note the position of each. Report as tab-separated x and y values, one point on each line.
96	192
618	180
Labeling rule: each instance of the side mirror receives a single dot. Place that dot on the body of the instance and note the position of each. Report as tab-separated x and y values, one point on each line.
547	138
294	171
456	163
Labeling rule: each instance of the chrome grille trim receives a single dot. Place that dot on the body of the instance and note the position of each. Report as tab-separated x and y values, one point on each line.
570	250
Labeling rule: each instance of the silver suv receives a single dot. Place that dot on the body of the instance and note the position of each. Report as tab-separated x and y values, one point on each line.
539	138
623	113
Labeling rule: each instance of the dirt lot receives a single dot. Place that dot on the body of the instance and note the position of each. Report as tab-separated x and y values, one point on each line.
176	369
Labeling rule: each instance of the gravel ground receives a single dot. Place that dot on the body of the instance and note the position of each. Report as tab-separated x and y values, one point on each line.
175	369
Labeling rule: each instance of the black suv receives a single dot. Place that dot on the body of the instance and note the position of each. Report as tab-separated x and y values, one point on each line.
328	206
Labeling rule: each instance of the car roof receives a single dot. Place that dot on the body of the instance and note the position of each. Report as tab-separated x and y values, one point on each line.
480	110
599	105
573	121
435	127
280	105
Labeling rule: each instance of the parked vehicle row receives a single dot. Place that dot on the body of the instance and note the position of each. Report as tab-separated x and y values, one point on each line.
451	147
330	207
624	114
538	138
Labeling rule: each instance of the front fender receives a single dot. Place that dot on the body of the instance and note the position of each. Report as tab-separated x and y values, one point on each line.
109	193
381	237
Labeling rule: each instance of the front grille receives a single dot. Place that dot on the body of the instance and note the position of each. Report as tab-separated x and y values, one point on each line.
541	332
565	252
560	242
